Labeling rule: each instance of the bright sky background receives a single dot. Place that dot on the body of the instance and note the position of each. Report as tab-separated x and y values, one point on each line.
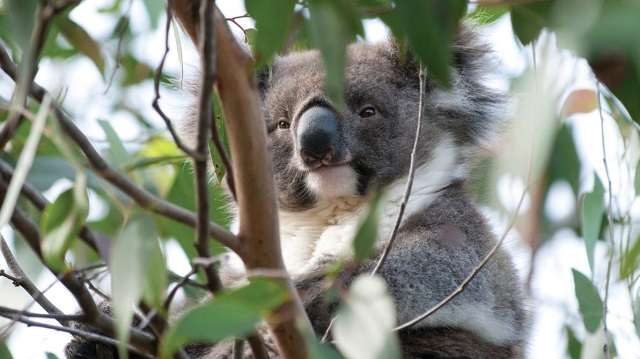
552	281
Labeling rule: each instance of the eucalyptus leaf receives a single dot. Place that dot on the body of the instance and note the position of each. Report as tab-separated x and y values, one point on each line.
589	302
82	41
136	271
528	20
367	233
430	27
118	154
4	351
63	221
334	24
591	210
234	313
363	328
273	22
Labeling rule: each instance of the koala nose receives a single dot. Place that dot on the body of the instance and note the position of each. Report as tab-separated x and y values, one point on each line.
318	136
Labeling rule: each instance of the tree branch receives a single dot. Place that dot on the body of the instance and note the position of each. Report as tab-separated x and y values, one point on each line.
23	281
142	197
253	174
206	49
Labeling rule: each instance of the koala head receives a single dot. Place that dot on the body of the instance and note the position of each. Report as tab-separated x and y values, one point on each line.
321	152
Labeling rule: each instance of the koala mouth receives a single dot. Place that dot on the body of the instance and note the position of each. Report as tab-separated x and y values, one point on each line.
331	181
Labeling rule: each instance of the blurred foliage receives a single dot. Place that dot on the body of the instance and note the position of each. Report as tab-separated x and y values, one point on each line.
603	32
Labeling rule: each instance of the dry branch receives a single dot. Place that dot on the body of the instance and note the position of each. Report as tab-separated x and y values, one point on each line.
253	176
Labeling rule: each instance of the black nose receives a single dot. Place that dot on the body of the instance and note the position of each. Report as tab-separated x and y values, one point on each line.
318	136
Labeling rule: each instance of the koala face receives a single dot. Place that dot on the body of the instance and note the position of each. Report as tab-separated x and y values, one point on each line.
322	152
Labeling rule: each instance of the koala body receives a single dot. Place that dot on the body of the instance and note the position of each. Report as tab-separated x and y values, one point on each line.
329	162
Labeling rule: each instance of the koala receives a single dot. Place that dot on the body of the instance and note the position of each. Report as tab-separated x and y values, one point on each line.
330	161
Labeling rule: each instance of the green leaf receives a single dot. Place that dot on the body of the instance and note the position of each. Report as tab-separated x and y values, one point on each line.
573	344
589	301
154	9
118	155
216	159
636	315
182	193
528	20
367	233
63	221
364	325
564	163
49	356
334	24
273	22
430	27
630	259
319	350
234	313
137	270
22	15
4	351
82	41
591	210
485	15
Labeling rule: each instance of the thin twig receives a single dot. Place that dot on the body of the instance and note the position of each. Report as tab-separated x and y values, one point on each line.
180	284
156	87
238	349
215	136
142	197
605	327
23	281
91	313
93	337
412	169
478	267
9	312
40	203
123	24
206	49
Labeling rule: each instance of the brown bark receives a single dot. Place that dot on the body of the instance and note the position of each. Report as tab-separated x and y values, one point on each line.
253	176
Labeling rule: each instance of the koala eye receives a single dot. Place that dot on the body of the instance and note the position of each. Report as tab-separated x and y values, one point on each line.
368	111
283	124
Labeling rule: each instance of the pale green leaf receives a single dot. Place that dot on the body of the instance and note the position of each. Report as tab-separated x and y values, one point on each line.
62	222
132	264
367	233
22	15
363	328
636	315
82	41
234	313
591	211
118	154
636	179
154	9
589	301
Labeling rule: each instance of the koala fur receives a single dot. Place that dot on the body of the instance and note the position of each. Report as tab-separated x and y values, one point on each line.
329	162
323	193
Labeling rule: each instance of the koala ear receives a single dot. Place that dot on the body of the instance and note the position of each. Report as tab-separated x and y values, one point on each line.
263	75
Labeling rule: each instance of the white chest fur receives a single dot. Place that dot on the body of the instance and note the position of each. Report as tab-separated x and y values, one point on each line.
329	228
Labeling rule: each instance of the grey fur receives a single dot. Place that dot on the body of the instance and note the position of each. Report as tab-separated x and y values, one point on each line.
443	235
